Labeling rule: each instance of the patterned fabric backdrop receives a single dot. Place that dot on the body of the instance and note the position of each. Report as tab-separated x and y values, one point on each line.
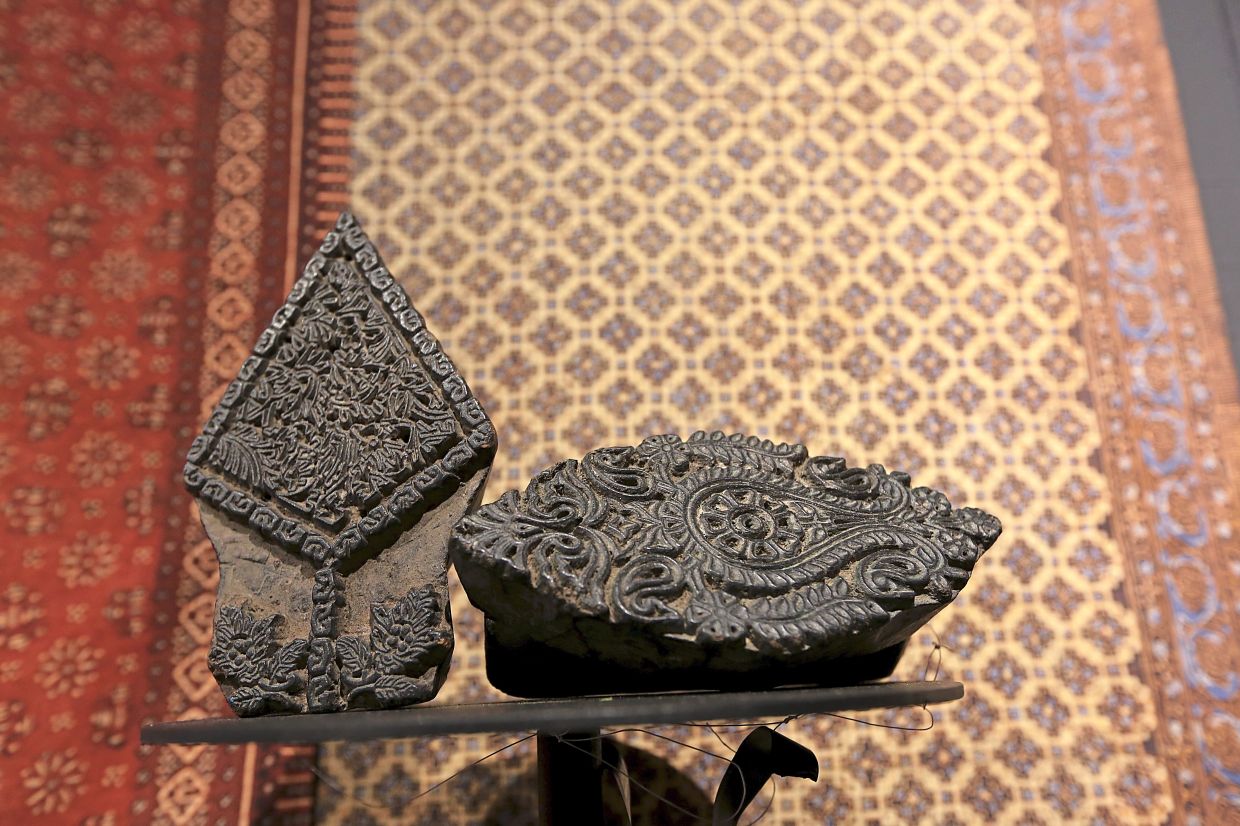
958	237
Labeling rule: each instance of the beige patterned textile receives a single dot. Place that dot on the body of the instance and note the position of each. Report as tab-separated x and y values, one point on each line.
840	223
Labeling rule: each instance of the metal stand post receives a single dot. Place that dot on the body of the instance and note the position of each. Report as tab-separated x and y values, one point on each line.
570	778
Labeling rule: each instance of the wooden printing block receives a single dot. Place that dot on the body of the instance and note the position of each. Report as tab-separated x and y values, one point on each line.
328	479
717	562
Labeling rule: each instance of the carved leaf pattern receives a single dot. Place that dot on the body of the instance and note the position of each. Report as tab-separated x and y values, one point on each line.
288	661
407	639
353	657
238	459
738	449
814	616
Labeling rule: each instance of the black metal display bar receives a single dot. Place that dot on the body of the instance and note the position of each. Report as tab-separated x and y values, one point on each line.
551	716
570	762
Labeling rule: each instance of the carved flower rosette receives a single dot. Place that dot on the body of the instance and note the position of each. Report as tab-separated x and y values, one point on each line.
729	545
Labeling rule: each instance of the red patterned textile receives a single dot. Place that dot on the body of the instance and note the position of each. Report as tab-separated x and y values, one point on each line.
107	163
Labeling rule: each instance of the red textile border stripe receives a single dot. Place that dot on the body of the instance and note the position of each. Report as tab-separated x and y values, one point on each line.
330	101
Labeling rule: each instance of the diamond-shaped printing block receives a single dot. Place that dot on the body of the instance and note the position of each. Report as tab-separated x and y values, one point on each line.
328	479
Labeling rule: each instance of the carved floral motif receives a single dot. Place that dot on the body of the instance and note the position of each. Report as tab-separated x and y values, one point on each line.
406	640
245	656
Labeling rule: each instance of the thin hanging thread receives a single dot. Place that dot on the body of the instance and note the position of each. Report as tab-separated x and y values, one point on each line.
337	788
774	780
647	731
935	658
719	737
573	744
938	649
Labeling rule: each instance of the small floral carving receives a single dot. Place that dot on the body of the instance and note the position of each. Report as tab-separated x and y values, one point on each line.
751	525
717	617
244	654
407	639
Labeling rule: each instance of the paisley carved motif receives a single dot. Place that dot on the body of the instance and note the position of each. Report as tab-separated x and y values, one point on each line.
756	534
612	472
644	587
733	542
